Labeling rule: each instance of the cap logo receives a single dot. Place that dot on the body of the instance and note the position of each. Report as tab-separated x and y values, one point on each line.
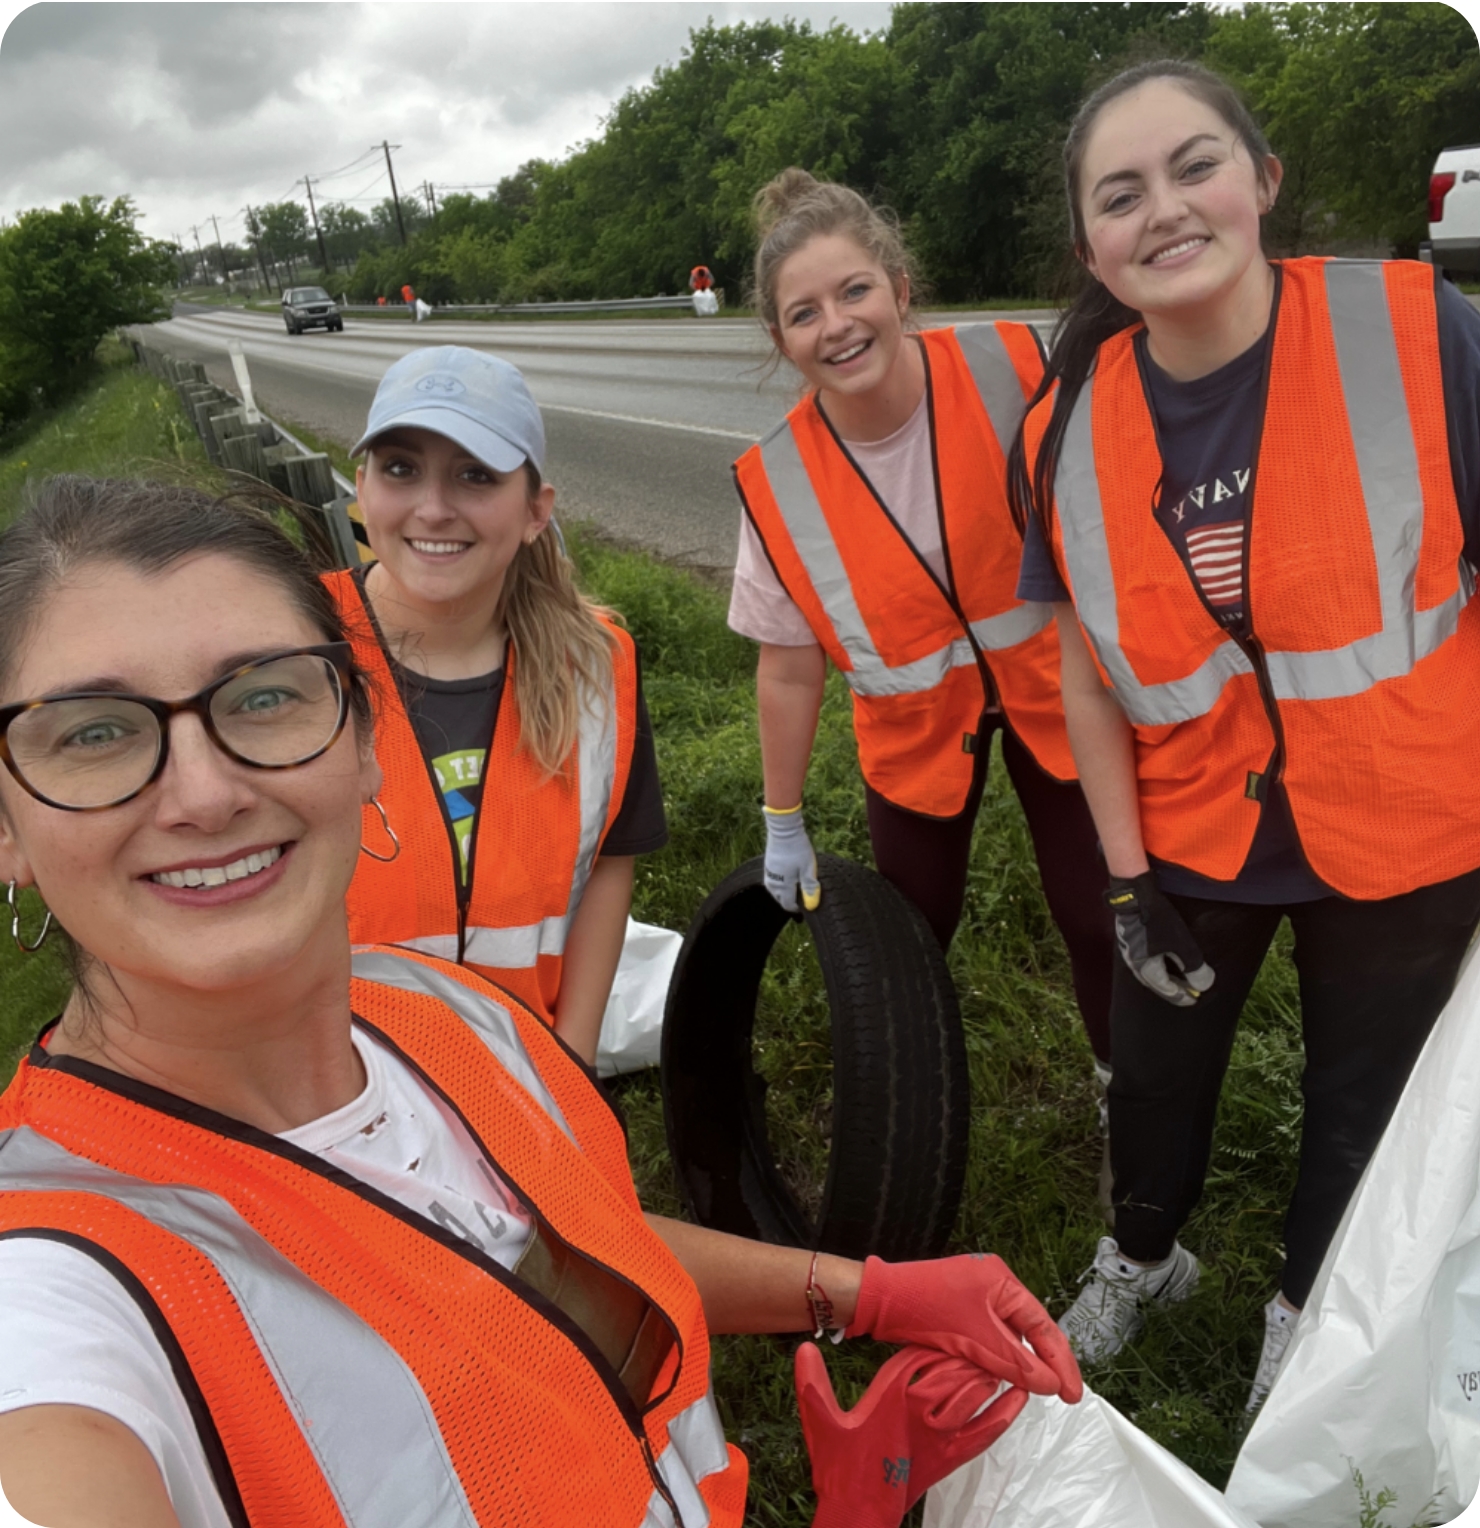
441	383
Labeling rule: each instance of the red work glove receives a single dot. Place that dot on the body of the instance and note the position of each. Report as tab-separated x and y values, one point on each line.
971	1307
872	1464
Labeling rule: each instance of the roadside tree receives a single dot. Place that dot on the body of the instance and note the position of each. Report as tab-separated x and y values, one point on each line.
286	235
68	276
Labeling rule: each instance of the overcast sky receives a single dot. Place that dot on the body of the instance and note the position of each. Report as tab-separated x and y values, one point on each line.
200	108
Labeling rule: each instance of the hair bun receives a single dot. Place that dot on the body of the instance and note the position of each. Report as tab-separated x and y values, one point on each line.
779	196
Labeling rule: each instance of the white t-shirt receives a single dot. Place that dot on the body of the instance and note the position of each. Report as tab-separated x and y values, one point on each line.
70	1334
902	474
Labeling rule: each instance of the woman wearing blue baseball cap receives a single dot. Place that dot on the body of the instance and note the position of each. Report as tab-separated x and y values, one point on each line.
490	664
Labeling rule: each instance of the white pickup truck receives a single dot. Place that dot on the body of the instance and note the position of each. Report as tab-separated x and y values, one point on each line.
1454	209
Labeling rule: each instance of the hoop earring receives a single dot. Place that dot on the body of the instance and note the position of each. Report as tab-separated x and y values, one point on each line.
15	924
390	833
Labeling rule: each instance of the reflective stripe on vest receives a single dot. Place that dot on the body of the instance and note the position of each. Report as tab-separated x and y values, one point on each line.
520	947
85	1161
1382	438
488	1019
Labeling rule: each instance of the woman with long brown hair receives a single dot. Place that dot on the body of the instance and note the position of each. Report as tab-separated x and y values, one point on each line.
1252	491
490	664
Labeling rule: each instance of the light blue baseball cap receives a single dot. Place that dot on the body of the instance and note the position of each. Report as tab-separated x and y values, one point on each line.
476	400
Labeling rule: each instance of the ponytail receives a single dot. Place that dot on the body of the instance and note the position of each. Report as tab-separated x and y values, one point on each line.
1095	315
562	648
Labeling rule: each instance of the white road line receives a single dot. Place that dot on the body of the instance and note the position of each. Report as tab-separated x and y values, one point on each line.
662	424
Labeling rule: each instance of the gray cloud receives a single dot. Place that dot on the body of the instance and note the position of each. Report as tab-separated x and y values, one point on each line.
194	108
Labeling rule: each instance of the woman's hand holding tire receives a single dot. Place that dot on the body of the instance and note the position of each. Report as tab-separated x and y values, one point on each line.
791	861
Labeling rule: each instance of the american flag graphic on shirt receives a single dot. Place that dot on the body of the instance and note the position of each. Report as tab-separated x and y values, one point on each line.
1216	553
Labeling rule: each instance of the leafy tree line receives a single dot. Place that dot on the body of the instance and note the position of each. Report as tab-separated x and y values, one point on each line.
954	116
68	276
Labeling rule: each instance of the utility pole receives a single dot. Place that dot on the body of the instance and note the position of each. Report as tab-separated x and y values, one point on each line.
400	222
184	263
200	253
256	238
318	232
220	253
431	197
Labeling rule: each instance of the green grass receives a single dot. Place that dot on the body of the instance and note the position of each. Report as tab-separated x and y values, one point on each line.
127	424
1035	1146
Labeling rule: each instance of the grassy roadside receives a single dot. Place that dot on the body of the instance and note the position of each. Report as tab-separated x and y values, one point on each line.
1035	1148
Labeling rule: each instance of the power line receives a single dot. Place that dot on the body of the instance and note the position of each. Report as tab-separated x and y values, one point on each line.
331	174
360	194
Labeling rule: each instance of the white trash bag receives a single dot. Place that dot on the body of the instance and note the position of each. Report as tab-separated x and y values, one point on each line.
1081	1466
421	310
632	1026
1383	1373
706	304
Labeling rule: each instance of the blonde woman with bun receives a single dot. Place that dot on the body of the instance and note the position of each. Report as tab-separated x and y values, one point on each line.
492	667
876	535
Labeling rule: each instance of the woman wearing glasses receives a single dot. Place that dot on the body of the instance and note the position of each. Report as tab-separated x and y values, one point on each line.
490	666
291	1238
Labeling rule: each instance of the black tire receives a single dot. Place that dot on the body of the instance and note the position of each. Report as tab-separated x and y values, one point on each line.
292	329
339	327
901	1097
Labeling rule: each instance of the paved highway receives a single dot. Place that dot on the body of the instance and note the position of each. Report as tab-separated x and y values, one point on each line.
643	416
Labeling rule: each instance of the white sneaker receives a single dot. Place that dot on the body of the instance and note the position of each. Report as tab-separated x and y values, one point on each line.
1107	1313
1279	1328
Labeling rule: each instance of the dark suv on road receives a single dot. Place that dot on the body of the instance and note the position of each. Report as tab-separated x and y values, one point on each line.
309	307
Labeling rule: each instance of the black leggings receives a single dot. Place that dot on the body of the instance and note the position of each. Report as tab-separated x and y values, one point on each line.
926	858
1373	978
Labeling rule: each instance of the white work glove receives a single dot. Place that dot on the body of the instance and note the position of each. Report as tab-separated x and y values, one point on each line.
791	861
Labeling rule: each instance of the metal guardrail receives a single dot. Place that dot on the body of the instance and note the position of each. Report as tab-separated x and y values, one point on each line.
239	438
592	305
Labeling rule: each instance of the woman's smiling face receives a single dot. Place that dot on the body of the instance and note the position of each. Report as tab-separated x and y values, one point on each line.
168	635
840	319
1170	201
441	523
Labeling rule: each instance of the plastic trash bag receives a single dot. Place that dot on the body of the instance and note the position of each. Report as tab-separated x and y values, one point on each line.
706	304
1081	1466
1383	1373
421	310
632	1026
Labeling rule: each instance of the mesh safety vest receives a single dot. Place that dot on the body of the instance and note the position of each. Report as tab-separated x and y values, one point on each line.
352	1364
1359	684
534	842
923	658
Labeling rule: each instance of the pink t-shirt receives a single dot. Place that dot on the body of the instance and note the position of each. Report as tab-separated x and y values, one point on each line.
902	474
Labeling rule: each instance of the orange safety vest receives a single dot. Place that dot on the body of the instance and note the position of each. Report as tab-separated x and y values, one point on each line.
534	843
924	660
1359	684
346	1359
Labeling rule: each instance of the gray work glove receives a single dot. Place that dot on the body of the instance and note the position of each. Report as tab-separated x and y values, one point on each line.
1155	943
791	861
